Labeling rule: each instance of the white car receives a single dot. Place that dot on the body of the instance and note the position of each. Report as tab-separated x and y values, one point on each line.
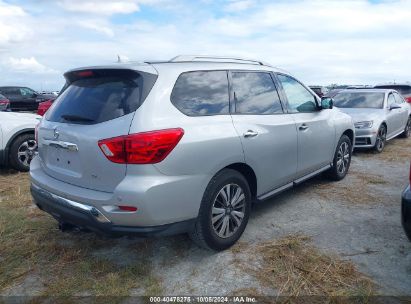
17	139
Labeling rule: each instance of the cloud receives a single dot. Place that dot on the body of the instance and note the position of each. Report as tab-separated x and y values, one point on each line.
11	28
27	65
321	42
95	25
239	5
106	7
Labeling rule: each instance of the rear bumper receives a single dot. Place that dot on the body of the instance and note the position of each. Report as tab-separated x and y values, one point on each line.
406	211
88	217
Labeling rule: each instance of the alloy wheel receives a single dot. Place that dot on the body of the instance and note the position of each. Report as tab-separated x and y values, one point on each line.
343	158
26	152
381	136
408	128
228	210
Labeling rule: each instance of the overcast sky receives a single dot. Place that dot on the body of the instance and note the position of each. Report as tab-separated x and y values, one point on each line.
320	42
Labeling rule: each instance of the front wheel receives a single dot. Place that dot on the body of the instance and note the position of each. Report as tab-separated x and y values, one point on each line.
381	139
342	159
407	129
224	211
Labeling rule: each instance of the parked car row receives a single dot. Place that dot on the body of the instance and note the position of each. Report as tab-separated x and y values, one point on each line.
378	114
188	145
22	98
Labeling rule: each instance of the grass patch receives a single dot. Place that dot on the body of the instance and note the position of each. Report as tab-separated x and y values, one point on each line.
354	189
397	149
66	263
294	267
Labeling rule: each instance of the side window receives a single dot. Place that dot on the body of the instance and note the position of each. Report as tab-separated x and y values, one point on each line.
26	93
391	100
398	98
299	98
255	93
201	93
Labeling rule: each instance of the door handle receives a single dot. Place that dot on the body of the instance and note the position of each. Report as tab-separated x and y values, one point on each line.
250	133
303	127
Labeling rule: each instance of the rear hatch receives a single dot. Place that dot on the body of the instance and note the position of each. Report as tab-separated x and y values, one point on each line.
97	103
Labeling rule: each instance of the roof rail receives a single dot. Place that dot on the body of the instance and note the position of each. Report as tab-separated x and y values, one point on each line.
190	58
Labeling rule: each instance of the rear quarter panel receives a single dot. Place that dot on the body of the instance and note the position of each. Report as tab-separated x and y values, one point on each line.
209	144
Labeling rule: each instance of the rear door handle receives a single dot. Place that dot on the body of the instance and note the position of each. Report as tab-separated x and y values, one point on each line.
303	127
250	133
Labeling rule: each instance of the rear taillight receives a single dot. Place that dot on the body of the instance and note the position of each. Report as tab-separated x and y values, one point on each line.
4	102
141	148
408	99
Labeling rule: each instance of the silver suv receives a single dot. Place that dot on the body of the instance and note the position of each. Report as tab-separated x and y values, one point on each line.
186	145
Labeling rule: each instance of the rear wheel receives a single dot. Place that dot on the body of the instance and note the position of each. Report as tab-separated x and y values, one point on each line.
224	211
342	159
381	139
22	151
407	129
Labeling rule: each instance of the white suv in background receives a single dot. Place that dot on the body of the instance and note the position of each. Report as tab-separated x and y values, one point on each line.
17	142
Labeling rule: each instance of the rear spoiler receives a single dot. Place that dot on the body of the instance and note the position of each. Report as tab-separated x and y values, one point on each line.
145	79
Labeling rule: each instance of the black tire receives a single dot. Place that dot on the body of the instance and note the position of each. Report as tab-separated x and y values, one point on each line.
407	129
381	139
342	159
205	232
23	143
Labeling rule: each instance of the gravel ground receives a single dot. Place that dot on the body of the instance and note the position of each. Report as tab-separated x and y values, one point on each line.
357	219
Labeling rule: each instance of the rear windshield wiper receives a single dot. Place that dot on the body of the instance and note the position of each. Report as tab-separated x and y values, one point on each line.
78	118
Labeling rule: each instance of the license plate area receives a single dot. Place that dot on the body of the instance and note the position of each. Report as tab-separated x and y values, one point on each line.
63	161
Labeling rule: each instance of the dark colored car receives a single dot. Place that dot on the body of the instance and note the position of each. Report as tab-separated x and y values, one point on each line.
4	103
23	98
319	90
406	209
403	89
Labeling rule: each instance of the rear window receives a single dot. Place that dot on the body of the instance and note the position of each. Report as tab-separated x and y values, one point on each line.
100	96
201	93
359	100
403	90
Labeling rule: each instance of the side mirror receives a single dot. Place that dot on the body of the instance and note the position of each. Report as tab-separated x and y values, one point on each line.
327	103
395	106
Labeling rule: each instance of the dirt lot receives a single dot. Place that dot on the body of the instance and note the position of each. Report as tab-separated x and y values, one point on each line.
327	238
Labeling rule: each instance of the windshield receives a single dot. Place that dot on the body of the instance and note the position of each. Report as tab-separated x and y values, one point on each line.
359	100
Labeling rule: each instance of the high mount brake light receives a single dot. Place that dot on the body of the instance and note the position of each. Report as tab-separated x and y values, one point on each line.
85	73
141	148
